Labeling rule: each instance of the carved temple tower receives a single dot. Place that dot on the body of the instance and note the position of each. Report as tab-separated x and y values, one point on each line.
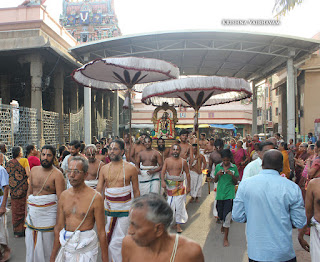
90	20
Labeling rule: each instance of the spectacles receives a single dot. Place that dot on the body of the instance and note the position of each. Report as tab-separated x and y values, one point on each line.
76	171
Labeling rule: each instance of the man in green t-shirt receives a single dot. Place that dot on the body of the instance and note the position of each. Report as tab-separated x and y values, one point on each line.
226	174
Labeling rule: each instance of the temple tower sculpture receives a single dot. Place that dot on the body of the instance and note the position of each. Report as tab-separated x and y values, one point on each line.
90	20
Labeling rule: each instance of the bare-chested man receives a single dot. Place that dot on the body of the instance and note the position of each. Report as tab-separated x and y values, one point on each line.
312	204
137	148
192	138
46	183
199	163
215	156
75	147
148	237
172	179
162	149
127	147
210	146
149	164
116	179
79	209
186	148
203	142
99	153
208	150
95	166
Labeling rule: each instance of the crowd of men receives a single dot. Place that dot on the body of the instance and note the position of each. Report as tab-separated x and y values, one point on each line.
133	193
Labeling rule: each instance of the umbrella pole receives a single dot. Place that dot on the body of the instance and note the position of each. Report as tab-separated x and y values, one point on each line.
130	113
196	127
198	148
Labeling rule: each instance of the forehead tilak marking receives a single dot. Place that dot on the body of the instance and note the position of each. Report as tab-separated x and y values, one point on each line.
46	151
74	164
114	145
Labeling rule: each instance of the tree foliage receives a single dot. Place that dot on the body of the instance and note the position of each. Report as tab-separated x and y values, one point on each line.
282	7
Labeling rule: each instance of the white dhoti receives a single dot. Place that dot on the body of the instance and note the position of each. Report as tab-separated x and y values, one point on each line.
78	246
196	184
91	183
117	204
117	228
315	240
178	205
148	183
4	236
40	222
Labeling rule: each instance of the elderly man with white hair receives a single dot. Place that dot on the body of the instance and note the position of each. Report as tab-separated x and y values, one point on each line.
148	237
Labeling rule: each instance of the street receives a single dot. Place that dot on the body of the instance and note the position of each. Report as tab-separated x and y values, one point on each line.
202	228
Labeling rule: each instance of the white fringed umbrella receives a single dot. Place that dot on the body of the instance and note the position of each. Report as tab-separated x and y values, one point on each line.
121	73
196	92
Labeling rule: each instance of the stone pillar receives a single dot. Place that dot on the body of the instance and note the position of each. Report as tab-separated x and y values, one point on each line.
74	106
58	82
94	129
100	103
36	64
105	105
115	115
254	109
5	89
290	100
109	115
87	115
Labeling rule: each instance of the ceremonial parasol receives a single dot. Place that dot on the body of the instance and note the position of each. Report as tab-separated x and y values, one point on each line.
196	92
124	73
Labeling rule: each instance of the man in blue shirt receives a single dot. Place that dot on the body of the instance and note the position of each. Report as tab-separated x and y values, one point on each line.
311	138
271	205
4	237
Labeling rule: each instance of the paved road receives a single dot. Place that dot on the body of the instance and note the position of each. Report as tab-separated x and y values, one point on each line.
202	228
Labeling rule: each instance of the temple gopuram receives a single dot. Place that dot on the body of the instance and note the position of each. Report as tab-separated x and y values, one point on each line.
90	20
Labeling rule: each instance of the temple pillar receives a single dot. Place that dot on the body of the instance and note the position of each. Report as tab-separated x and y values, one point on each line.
58	82
36	71
115	114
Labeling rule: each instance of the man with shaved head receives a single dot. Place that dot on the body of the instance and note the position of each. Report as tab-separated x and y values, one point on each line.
270	205
95	166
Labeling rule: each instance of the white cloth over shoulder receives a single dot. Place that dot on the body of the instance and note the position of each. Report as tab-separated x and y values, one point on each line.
196	184
81	247
148	183
178	205
92	183
315	240
40	222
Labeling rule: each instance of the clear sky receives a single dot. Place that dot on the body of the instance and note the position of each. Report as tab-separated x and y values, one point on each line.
143	16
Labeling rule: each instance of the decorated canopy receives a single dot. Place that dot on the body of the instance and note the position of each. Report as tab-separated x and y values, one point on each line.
125	71
197	91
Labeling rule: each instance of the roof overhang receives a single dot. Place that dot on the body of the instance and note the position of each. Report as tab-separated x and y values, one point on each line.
252	56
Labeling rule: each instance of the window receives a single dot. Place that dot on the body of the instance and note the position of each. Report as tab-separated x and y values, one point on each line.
183	115
259	112
211	115
277	111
